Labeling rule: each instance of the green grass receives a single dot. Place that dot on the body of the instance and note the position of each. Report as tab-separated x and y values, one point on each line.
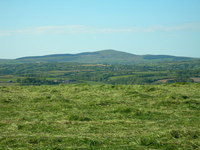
85	116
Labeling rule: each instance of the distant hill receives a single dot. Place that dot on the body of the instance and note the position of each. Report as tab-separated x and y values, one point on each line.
165	58
103	56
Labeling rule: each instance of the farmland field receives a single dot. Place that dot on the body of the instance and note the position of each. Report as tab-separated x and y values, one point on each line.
82	116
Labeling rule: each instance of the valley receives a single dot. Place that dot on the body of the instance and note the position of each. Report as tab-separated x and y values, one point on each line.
74	105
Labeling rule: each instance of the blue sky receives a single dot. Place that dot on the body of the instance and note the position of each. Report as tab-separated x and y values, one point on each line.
41	27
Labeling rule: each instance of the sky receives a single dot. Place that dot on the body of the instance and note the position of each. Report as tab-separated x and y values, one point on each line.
42	27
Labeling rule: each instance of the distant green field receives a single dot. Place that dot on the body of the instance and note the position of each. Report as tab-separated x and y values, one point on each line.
48	73
85	116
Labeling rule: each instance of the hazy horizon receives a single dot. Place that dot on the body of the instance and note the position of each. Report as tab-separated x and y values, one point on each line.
37	28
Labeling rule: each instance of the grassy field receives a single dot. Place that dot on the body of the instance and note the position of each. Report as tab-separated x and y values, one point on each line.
85	116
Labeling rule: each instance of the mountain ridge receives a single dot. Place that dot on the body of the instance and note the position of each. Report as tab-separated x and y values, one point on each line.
109	56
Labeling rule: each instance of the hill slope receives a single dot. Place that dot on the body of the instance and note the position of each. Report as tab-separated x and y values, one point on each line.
104	56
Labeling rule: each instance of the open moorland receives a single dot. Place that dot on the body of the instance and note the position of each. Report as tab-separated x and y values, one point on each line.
83	116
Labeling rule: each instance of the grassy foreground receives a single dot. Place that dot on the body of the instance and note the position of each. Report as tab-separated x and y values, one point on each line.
100	117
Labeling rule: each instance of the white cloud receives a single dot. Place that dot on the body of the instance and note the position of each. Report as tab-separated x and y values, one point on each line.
194	27
71	29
